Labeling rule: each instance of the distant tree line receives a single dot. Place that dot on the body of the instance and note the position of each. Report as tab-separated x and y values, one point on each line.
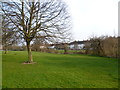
99	46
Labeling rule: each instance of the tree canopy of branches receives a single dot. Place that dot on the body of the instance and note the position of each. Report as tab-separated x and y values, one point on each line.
8	36
97	45
36	19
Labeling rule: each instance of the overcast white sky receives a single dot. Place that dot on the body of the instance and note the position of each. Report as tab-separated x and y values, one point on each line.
98	17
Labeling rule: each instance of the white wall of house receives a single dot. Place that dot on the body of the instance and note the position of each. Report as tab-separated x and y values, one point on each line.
41	47
71	46
79	46
51	47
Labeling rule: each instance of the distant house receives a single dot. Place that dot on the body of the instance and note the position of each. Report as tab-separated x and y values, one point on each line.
42	46
51	46
59	46
77	45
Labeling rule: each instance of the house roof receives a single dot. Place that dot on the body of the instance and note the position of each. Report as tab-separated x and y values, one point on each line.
58	44
74	42
77	42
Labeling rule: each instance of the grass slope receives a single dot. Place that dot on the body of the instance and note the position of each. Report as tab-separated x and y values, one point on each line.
59	71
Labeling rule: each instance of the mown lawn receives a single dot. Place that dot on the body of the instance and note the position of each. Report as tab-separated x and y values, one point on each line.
58	71
71	51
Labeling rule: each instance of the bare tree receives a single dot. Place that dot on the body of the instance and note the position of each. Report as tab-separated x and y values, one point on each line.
48	18
8	36
111	46
0	31
87	47
103	46
97	45
118	47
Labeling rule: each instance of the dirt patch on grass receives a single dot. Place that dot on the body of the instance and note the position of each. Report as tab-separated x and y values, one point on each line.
28	62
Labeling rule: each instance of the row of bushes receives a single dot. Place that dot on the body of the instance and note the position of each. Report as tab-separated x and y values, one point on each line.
103	46
100	46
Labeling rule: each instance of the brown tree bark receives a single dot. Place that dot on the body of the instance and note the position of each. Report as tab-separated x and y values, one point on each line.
65	49
5	51
30	59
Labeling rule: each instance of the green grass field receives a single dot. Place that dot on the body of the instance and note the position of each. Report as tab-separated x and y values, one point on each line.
0	70
58	71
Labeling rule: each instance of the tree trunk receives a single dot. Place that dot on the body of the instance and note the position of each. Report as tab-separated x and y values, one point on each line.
65	49
30	59
5	51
